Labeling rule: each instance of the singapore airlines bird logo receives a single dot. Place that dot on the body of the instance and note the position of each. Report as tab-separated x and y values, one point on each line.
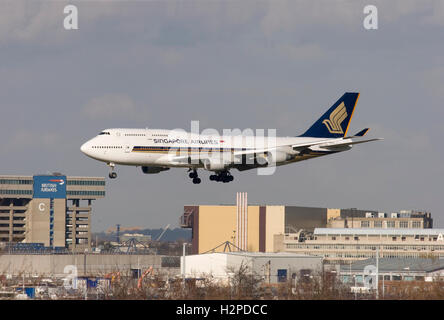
336	117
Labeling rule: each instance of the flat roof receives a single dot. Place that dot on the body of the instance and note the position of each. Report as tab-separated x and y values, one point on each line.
265	254
378	231
47	175
397	265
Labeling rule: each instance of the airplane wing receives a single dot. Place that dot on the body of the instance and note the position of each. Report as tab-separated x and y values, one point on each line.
302	148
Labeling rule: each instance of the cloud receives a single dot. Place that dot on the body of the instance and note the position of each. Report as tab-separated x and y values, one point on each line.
434	81
288	15
406	141
301	52
26	21
110	105
27	139
437	16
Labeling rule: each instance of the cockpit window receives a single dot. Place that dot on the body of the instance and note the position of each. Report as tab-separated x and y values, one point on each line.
104	132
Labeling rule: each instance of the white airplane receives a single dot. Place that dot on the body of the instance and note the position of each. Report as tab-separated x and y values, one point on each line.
159	150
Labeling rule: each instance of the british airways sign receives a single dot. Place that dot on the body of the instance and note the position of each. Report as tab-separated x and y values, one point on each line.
50	187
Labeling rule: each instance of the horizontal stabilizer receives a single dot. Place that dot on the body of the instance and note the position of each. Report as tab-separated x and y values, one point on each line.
346	142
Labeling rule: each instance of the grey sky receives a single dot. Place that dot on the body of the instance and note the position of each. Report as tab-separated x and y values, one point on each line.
229	64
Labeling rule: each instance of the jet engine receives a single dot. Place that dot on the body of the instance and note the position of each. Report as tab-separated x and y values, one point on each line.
276	157
215	164
151	170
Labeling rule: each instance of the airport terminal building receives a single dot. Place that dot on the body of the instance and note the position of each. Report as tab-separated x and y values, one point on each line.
53	210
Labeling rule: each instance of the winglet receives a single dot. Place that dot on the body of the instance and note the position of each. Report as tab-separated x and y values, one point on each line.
362	132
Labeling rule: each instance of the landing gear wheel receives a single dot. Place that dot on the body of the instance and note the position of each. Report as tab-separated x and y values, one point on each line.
223	176
193	175
112	175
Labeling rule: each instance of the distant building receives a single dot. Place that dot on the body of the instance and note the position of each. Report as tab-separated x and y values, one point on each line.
142	238
344	245
53	210
405	219
268	267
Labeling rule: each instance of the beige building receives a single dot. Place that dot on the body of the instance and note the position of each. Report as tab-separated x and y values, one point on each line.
53	210
251	228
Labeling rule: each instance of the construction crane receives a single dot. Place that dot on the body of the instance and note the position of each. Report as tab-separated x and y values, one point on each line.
163	232
148	271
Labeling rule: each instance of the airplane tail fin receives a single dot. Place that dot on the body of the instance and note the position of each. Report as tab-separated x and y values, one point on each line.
334	123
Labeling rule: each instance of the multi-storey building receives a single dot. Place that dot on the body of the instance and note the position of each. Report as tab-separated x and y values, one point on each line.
404	219
53	210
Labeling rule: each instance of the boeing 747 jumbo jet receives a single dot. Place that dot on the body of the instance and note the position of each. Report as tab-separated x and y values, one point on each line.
159	150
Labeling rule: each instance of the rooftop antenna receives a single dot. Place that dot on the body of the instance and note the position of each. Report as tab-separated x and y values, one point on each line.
118	232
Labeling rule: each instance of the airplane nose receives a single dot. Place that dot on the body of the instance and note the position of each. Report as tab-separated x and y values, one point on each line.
84	148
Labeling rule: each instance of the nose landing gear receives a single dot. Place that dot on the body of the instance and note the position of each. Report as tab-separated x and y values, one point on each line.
112	174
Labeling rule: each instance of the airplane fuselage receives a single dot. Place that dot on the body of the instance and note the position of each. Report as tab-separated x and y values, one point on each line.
158	150
152	147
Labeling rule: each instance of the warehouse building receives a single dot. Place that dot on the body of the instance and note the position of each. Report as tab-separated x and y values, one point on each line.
253	227
344	245
269	267
55	265
395	269
50	210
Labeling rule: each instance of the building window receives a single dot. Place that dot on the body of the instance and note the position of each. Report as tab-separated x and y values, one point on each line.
16	192
15	181
394	238
378	224
365	224
416	224
404	224
282	275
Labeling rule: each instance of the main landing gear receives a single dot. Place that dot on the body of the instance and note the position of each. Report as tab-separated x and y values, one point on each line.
223	176
112	174
193	175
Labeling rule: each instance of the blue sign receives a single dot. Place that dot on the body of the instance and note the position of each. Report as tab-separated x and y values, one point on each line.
50	187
